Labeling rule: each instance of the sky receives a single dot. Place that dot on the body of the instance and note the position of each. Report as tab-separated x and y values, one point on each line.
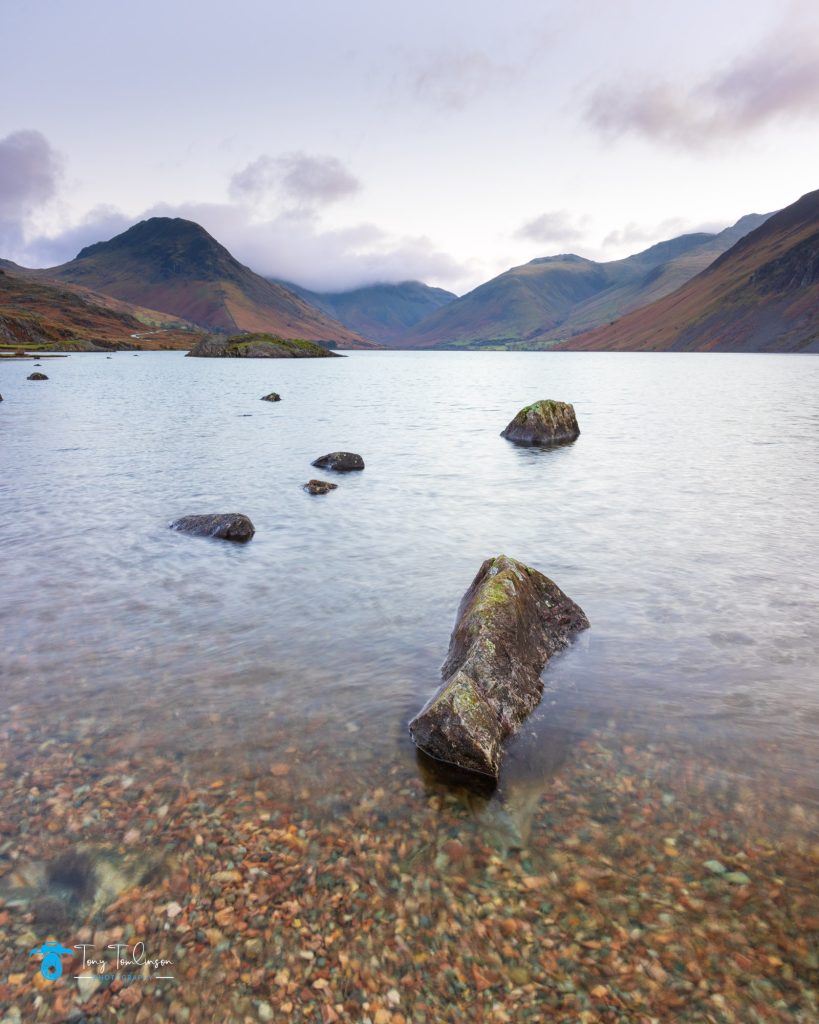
338	144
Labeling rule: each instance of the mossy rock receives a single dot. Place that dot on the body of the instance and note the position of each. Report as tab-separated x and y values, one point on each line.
510	622
543	423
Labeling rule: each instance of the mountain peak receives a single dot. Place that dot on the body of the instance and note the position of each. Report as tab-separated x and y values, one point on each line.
160	234
175	266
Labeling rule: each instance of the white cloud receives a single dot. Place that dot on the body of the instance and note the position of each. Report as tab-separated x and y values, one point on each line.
294	177
30	172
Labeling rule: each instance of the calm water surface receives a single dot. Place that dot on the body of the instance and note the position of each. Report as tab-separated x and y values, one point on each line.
683	521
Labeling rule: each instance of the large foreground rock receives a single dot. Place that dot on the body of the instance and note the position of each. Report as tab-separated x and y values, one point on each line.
37	376
341	462
510	622
259	346
545	422
227	526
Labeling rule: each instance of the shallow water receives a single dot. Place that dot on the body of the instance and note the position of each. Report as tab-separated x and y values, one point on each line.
683	521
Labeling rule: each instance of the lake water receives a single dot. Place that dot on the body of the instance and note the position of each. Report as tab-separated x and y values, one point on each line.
187	686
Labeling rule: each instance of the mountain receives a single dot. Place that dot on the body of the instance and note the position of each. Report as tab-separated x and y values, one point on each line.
40	314
384	312
762	295
557	296
175	266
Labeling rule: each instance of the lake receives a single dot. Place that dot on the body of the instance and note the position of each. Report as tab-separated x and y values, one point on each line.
236	715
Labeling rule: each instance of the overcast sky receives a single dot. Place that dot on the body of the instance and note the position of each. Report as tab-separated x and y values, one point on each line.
336	144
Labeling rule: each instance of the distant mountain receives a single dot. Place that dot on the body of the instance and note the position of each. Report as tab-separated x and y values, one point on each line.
555	297
383	312
762	295
41	314
175	266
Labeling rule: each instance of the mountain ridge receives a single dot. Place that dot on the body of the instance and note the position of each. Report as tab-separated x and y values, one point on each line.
550	298
762	294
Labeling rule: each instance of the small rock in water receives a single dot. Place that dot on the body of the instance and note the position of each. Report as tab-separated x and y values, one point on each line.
341	462
226	526
715	867
272	397
37	376
319	486
544	422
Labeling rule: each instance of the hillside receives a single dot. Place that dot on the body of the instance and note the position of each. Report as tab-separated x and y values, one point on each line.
383	312
762	295
175	266
557	296
42	315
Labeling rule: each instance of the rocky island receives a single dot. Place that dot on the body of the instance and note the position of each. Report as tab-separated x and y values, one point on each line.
259	346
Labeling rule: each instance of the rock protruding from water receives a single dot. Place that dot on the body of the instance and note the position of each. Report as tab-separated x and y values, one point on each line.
272	397
319	486
226	526
341	462
545	422
37	376
510	622
259	346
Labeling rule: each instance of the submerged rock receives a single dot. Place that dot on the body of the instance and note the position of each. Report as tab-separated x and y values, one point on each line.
341	462
511	620
37	376
319	486
227	526
545	422
272	397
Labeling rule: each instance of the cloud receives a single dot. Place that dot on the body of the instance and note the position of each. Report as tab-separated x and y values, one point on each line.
30	171
102	222
296	178
637	234
293	246
778	80
453	81
557	228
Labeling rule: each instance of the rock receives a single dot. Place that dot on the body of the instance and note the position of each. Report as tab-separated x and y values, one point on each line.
227	526
259	346
37	376
272	397
511	620
544	422
341	462
1	398
319	487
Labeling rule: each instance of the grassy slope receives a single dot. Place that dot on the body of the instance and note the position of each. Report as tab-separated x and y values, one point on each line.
43	315
761	295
